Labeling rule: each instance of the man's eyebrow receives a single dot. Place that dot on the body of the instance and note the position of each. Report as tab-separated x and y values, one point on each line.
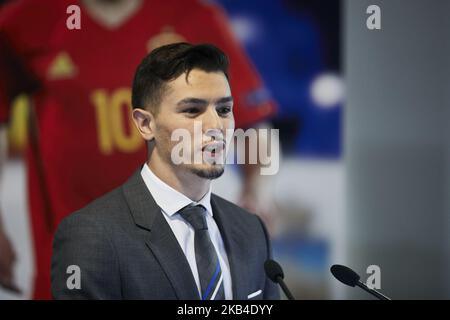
203	101
224	100
192	101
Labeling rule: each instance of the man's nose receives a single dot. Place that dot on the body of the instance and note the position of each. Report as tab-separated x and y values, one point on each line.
212	120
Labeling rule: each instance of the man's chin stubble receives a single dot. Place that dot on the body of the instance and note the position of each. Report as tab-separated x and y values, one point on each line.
210	173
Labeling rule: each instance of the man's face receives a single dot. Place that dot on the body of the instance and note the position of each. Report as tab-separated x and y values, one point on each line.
202	100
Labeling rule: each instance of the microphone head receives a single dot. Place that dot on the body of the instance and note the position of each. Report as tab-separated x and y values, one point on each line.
345	275
273	270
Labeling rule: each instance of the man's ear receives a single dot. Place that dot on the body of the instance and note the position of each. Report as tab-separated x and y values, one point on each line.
144	122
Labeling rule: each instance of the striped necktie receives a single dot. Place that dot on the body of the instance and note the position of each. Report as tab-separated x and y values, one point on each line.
208	266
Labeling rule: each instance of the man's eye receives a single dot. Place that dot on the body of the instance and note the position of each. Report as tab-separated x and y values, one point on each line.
191	110
224	110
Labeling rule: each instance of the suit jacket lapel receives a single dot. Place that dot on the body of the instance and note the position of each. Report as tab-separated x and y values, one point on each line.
237	256
159	237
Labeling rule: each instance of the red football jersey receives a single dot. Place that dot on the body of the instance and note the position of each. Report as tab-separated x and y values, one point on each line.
80	81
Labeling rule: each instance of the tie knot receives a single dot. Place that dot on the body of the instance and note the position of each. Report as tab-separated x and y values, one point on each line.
195	215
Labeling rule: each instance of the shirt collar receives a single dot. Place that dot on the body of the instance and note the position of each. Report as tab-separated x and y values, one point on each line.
167	198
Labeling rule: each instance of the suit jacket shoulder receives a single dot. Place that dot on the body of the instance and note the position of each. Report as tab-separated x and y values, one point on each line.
125	249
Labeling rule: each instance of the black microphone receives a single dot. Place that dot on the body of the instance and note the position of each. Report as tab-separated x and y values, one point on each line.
275	273
351	278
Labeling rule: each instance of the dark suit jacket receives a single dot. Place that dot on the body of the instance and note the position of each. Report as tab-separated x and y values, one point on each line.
125	249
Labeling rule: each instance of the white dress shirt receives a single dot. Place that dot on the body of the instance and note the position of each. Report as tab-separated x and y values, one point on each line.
171	201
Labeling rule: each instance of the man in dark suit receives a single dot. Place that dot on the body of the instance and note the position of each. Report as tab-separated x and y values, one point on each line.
163	235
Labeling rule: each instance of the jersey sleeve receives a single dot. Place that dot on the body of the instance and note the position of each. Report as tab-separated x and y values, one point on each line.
4	108
14	76
253	103
7	81
14	79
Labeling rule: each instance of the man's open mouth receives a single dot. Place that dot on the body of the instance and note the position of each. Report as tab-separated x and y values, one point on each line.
214	147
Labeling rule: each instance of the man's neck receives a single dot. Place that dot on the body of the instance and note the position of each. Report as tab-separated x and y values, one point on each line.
187	183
